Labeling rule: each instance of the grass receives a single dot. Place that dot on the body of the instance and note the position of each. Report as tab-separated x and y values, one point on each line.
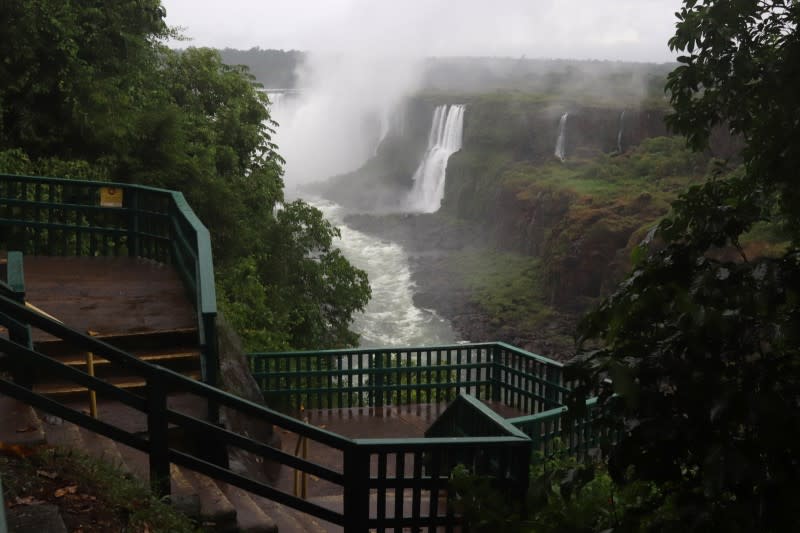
508	286
660	166
92	496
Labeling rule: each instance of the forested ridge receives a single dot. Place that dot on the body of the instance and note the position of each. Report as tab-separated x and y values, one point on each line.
91	91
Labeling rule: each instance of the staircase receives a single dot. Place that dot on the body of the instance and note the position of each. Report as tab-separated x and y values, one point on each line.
175	349
215	505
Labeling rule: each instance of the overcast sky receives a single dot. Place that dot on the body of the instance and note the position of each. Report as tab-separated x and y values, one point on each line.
632	30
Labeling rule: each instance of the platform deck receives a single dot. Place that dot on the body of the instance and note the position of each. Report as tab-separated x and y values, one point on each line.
108	295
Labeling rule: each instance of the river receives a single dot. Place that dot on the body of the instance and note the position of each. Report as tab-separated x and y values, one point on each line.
391	319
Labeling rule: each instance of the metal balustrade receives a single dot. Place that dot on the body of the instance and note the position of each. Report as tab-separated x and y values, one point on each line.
62	217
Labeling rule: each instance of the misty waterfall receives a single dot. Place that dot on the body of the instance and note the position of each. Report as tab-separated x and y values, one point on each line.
620	131
444	140
561	141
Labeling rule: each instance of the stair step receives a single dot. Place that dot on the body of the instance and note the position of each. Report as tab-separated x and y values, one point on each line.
216	510
128	341
182	493
19	424
153	356
288	519
66	389
250	517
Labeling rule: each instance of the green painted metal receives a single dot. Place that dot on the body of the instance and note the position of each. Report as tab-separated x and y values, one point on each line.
487	372
409	477
396	376
3	522
53	216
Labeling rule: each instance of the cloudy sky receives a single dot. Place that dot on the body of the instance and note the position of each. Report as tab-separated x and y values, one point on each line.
633	30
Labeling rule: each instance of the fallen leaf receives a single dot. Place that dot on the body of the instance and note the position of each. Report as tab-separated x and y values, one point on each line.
16	450
45	473
71	489
25	500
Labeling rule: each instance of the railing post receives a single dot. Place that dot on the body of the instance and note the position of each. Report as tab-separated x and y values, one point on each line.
377	386
3	523
495	379
217	451
356	490
552	395
22	374
157	430
134	246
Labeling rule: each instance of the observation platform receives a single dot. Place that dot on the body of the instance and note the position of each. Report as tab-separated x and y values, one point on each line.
109	296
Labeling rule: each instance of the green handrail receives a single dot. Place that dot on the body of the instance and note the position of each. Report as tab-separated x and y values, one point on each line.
373	377
3	522
417	467
54	216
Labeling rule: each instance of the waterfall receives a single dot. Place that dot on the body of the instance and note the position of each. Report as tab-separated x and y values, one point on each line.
275	100
561	141
385	126
444	140
620	130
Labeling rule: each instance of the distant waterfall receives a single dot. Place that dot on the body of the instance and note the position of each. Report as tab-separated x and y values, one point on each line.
275	100
620	130
561	142
444	140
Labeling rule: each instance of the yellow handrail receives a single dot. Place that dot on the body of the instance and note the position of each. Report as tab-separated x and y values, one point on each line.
300	477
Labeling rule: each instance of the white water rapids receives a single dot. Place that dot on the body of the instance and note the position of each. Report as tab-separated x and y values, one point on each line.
391	318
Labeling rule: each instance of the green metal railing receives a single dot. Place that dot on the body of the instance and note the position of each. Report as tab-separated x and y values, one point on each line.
384	483
377	377
495	373
60	217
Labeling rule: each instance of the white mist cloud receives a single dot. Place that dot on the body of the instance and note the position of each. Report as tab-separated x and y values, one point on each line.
366	54
535	28
336	122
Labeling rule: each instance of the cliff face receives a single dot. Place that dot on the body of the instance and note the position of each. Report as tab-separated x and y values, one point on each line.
581	217
506	179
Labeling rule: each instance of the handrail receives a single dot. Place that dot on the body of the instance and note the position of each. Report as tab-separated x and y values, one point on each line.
153	405
429	456
3	522
373	377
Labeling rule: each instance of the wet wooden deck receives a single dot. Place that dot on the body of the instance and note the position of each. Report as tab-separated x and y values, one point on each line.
108	295
391	422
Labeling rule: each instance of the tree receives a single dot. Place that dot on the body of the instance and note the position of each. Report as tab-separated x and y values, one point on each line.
90	91
701	341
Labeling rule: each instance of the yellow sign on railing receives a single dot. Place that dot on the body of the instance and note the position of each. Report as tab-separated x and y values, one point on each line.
110	197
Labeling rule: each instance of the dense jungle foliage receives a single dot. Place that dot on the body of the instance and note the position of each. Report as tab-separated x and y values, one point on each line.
701	340
90	91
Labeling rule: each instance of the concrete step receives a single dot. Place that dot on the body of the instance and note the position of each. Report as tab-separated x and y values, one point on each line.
290	520
216	510
183	495
250	518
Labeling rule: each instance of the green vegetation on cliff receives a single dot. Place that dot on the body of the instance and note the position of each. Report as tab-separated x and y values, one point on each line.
91	92
702	338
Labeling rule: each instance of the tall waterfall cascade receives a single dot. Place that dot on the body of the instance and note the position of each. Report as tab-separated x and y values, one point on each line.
561	141
620	131
444	140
